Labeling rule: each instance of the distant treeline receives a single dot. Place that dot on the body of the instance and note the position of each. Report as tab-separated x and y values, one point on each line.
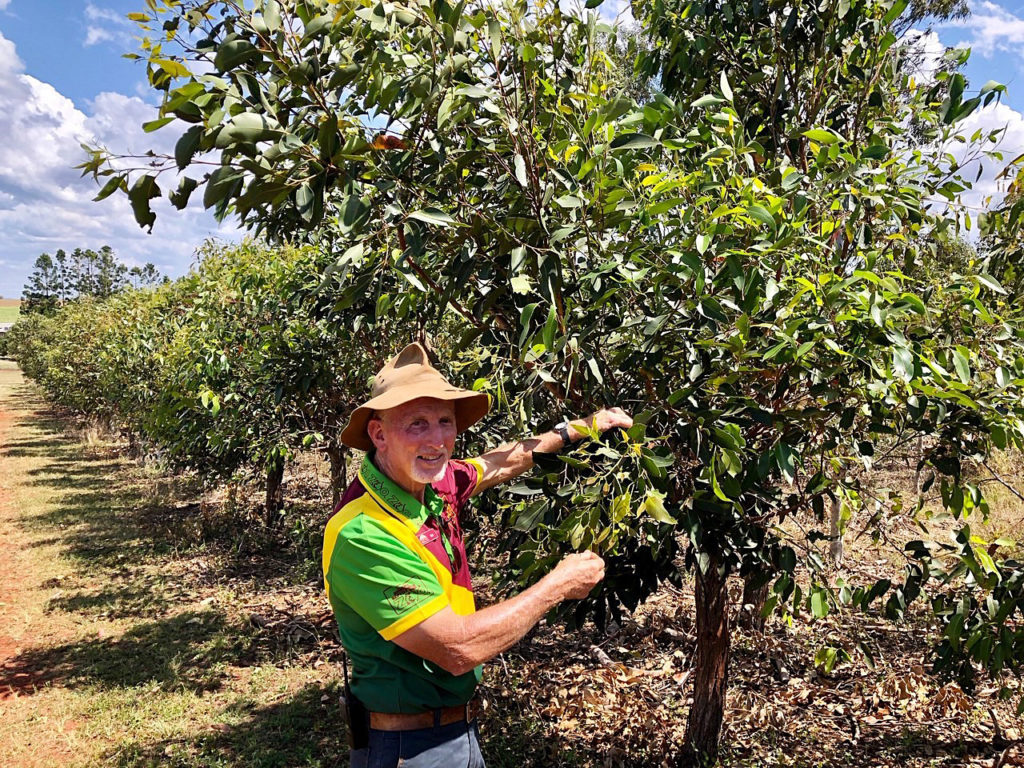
227	371
60	278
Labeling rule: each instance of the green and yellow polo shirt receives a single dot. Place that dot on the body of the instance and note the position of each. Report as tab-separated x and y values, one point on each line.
389	563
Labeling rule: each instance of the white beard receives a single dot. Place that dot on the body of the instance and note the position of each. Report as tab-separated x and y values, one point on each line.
425	476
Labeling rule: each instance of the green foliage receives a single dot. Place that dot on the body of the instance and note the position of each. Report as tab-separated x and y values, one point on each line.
261	363
228	370
731	259
979	602
57	279
1003	239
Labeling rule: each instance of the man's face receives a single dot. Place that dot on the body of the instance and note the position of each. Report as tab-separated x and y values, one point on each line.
414	441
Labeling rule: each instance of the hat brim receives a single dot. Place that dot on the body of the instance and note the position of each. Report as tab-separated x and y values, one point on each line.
470	407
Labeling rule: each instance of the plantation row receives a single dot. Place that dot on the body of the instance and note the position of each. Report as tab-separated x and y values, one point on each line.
739	224
228	371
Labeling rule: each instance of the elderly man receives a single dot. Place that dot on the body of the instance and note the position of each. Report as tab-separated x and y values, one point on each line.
396	572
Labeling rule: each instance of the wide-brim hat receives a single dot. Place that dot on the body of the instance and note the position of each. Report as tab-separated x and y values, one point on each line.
408	376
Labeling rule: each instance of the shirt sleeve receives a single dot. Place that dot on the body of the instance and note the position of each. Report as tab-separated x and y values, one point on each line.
390	587
466	476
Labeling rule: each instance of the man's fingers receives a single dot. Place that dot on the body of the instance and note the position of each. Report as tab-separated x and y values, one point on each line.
616	417
581	571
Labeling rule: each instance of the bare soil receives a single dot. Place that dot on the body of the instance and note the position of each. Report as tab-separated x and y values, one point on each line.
189	606
24	625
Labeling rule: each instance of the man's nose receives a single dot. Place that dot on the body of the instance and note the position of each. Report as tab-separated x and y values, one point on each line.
439	434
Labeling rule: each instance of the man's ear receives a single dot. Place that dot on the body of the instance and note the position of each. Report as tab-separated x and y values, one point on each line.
375	430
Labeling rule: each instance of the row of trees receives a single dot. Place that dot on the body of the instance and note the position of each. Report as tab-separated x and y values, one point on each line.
718	224
225	372
60	278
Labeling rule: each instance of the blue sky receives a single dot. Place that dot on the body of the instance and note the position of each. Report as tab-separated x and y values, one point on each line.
995	35
63	80
76	46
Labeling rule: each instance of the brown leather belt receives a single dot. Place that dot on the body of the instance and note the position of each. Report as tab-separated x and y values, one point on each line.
396	721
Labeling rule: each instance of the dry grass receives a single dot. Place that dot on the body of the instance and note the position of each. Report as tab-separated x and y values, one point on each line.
154	624
129	637
10	310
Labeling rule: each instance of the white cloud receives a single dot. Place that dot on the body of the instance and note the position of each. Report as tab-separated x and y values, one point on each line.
4	4
989	190
94	35
618	10
95	13
107	26
926	53
45	204
609	11
992	29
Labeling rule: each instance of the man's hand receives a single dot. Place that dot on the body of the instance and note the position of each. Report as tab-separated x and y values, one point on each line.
512	459
608	418
459	643
577	574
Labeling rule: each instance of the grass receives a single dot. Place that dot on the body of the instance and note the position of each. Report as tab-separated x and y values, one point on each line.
9	310
128	646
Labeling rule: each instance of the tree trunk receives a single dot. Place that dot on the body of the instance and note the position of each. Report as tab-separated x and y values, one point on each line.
753	603
917	469
711	669
837	535
134	447
275	498
337	453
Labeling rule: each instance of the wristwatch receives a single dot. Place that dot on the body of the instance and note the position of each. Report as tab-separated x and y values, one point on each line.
562	428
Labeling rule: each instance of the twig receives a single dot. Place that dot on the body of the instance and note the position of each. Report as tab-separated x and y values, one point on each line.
1002	482
1000	761
602	658
997	737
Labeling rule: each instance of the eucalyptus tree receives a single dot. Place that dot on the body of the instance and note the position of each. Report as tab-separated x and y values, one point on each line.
216	411
230	369
42	292
718	263
259	366
27	342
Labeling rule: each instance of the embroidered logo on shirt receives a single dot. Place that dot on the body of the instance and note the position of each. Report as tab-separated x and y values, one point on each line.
450	514
427	536
405	596
389	496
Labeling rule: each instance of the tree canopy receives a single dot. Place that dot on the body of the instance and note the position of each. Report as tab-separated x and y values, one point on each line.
731	259
60	278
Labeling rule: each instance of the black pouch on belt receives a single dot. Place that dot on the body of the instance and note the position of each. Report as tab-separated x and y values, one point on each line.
356	717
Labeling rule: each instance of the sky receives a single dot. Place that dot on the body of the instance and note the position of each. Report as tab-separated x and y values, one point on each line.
63	81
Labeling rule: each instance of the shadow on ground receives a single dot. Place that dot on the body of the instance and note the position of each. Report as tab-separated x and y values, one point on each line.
117	534
98	514
184	652
123	534
304	730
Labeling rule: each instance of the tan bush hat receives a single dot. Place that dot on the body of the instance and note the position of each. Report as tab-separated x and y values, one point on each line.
407	376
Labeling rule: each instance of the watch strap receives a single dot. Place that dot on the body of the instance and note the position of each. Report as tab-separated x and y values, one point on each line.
562	428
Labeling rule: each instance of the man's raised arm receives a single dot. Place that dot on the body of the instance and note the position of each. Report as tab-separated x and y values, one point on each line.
510	460
457	644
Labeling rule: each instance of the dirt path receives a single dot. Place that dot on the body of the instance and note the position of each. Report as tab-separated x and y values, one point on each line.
12	586
31	570
21	590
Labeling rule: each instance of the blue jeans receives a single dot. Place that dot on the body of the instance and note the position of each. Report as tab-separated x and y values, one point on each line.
447	746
